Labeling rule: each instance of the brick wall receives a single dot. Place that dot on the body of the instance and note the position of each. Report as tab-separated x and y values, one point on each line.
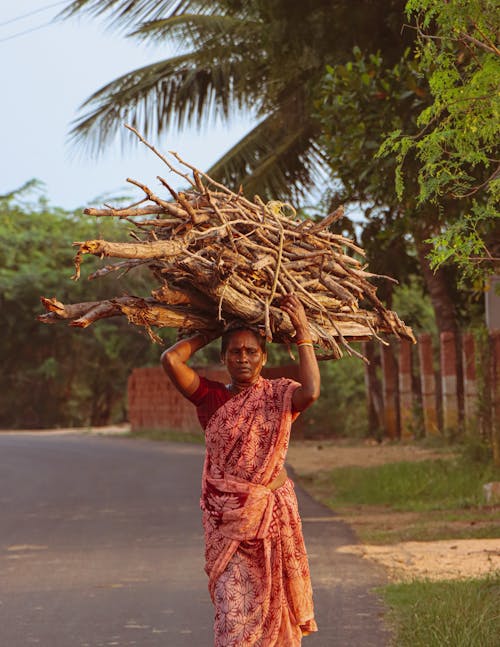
153	402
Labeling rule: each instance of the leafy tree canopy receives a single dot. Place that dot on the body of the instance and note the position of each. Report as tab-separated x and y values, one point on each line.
359	103
55	375
456	145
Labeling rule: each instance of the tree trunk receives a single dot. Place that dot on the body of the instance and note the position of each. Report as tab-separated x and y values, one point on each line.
437	286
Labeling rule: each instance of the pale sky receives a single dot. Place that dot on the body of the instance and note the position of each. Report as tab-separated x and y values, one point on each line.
45	75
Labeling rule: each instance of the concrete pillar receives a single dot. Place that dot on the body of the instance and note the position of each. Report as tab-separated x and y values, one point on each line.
405	389
449	380
390	392
495	394
429	401
470	383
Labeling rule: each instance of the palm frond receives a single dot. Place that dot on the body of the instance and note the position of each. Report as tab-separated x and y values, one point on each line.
197	29
276	159
180	91
125	13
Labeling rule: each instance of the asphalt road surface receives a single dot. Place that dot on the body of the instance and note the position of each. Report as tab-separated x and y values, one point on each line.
101	544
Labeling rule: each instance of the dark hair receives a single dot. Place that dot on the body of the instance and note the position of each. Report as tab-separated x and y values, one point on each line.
238	326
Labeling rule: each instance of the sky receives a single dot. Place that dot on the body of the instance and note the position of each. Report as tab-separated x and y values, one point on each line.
45	75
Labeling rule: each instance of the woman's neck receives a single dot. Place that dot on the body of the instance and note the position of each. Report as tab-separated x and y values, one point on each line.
238	387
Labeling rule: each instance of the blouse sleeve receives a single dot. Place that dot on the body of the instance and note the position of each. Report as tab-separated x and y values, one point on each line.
201	392
207	398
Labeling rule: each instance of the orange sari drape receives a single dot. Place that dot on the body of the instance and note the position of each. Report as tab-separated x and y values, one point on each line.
255	555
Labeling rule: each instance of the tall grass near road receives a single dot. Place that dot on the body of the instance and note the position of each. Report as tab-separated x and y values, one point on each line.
411	501
445	614
418	486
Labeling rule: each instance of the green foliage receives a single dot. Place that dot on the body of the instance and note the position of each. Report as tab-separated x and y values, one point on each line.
457	145
341	409
456	613
414	306
425	485
359	103
56	375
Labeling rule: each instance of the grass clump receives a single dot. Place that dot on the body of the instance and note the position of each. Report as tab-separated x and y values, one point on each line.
411	501
417	486
463	613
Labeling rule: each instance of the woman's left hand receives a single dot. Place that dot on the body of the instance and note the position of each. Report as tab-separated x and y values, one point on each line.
292	305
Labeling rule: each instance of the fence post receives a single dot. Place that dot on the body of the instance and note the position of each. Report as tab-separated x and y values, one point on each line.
405	389
470	383
373	389
495	394
429	403
390	392
449	380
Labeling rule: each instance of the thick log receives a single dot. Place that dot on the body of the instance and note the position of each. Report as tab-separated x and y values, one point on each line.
147	250
63	311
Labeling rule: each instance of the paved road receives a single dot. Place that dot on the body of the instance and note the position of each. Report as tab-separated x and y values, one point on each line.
101	544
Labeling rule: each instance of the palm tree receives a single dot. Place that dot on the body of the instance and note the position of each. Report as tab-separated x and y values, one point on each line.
267	55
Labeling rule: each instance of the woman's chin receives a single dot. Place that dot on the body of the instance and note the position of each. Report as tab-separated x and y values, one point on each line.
244	377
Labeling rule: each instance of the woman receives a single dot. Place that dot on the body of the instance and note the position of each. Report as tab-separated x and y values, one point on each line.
255	555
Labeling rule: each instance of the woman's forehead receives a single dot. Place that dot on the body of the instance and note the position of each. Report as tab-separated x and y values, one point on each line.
243	339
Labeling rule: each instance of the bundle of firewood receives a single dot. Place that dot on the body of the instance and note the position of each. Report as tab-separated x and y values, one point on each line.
217	256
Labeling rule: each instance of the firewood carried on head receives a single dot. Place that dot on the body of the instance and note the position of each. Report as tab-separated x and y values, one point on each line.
215	256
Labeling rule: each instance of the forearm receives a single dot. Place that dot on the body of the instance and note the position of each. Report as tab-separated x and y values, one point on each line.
182	350
174	362
309	375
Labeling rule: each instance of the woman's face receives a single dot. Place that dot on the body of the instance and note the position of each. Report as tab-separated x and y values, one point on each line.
244	357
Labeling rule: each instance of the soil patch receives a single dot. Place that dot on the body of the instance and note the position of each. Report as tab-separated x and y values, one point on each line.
434	560
311	456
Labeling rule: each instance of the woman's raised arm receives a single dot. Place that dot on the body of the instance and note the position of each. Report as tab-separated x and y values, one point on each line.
174	362
309	376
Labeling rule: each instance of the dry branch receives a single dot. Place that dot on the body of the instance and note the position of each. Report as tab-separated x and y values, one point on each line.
215	256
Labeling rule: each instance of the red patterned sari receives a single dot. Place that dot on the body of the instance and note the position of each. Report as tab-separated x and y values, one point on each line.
255	555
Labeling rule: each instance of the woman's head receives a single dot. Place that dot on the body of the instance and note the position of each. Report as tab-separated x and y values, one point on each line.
238	327
243	350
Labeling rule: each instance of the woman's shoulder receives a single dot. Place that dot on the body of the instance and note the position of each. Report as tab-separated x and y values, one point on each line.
280	384
207	388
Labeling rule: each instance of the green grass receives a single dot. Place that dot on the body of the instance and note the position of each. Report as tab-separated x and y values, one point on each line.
411	501
168	435
417	486
426	530
445	614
